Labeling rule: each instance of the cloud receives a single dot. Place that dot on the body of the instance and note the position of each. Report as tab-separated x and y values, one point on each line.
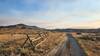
82	25
55	13
88	24
51	24
55	19
8	20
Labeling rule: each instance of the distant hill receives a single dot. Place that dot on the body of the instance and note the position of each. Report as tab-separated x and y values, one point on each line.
77	30
21	26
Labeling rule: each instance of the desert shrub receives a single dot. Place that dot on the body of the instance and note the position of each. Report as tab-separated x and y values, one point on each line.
87	38
98	38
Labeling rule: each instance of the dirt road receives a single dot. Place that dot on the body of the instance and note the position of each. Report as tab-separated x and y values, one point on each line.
70	48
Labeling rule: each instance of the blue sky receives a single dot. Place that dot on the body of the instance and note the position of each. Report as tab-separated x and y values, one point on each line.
51	13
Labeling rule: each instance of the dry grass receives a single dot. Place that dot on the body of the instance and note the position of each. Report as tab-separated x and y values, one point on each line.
91	46
12	39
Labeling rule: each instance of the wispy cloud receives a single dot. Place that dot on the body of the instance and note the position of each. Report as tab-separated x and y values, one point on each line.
51	13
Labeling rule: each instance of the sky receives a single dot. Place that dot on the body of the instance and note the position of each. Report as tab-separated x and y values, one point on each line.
51	14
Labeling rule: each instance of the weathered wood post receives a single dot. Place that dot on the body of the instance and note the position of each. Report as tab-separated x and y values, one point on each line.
28	38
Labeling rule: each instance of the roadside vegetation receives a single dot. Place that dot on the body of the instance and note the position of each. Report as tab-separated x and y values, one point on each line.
11	42
90	43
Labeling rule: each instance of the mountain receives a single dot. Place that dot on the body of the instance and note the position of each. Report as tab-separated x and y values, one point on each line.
21	26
